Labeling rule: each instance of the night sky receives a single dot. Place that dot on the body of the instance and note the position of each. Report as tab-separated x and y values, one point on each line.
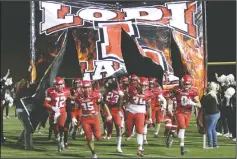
15	22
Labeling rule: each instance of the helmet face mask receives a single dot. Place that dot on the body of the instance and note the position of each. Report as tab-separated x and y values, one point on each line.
86	88
59	84
151	84
77	83
187	86
187	82
86	91
144	84
144	87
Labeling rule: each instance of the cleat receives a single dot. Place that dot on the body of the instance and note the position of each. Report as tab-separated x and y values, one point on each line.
155	135
109	137
145	142
104	136
119	150
94	156
184	151
139	153
234	139
66	146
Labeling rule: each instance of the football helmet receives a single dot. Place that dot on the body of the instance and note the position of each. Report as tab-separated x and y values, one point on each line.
152	82
143	83
59	84
111	83
86	87
77	83
187	82
124	80
134	79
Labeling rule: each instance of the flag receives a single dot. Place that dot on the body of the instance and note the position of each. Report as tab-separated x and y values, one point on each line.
136	63
34	103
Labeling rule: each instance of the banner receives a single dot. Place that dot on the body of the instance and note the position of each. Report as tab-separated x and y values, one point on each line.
96	29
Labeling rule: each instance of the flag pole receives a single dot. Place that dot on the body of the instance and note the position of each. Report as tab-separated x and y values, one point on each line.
32	68
204	9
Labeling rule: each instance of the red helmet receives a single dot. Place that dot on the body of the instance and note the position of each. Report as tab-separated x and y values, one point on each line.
134	77
144	83
152	80
59	83
77	83
187	81
86	83
124	79
86	87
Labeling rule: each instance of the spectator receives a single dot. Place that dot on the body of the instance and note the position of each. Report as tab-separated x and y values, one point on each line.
210	104
222	80
3	89
222	122
228	92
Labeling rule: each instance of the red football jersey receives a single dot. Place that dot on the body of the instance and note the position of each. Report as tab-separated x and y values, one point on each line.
112	99
155	100
89	104
183	96
57	99
138	99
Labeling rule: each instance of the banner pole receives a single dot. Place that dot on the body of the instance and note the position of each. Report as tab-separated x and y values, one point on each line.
204	9
32	68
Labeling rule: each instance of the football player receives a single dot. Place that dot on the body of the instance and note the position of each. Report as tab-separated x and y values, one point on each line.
55	102
124	84
76	91
89	103
133	82
114	100
186	96
139	99
158	105
170	122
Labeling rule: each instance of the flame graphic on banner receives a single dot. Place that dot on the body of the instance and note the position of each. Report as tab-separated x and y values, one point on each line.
192	56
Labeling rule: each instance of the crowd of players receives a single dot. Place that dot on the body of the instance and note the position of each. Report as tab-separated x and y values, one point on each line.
133	104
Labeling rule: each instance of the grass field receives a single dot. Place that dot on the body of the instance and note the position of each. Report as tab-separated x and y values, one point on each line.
107	148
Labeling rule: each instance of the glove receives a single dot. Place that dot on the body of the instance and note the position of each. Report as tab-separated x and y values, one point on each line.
109	117
149	121
74	121
121	93
190	102
56	109
56	117
3	101
120	114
